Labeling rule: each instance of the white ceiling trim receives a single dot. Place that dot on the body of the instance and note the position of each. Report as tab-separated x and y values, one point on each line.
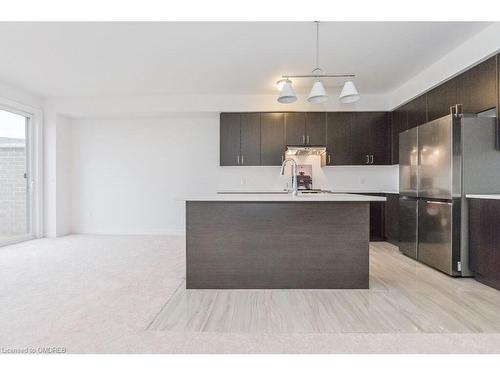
161	104
479	47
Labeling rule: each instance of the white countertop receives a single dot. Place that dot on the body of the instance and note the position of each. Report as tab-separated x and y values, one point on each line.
249	197
366	191
483	196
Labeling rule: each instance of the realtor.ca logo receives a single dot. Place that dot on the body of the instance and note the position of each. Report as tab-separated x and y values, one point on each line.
34	350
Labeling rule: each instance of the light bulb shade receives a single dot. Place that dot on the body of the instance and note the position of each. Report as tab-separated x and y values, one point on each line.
349	93
281	83
287	95
318	93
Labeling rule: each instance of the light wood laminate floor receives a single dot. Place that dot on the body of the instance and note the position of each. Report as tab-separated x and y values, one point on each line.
404	297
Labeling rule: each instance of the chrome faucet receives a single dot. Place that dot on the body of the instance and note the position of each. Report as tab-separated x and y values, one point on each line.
294	173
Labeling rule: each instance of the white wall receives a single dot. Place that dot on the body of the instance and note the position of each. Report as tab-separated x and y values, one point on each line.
130	175
63	176
57	170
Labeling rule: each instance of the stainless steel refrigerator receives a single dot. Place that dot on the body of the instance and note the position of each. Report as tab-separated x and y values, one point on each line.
440	162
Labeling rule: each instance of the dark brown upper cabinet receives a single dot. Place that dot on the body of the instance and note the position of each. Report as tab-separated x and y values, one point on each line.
239	139
250	139
338	138
316	128
360	137
477	90
477	87
272	138
380	139
441	98
395	126
370	138
230	139
417	111
305	128
295	128
403	117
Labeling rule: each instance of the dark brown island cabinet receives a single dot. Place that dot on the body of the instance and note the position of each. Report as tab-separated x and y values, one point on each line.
240	244
484	240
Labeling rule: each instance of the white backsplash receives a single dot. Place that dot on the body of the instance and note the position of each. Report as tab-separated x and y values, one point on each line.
337	178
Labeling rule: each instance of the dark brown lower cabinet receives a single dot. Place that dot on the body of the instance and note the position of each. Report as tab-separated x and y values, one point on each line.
484	240
377	218
392	219
377	221
384	218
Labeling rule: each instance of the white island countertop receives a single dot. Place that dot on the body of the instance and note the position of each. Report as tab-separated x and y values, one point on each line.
283	197
483	196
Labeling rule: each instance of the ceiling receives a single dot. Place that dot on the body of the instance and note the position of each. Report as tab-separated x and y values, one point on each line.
87	59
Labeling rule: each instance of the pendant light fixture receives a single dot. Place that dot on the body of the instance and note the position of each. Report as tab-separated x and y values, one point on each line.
318	93
287	95
349	93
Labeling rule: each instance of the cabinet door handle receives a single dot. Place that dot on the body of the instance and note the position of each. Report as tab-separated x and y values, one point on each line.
303	139
307	139
329	159
371	159
238	159
367	159
242	162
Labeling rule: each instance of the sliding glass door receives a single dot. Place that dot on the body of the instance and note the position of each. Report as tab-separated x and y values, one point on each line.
15	166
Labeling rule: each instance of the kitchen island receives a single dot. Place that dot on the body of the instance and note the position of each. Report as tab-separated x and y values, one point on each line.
278	241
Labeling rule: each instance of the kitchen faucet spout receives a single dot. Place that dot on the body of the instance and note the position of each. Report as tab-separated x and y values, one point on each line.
294	173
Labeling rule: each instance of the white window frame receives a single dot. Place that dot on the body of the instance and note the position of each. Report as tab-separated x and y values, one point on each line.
34	152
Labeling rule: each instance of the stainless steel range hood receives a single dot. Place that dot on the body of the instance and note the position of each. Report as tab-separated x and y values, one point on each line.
319	151
305	150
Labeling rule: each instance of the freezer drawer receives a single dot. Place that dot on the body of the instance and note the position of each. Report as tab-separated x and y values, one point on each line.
435	240
408	220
